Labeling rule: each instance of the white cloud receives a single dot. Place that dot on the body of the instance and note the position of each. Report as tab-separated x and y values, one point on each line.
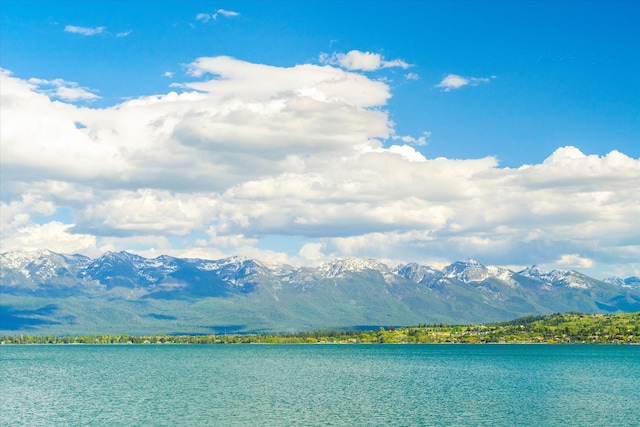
356	60
225	13
362	61
421	140
18	213
135	212
461	208
227	241
454	81
408	153
85	31
168	74
124	33
230	160
67	91
574	261
308	82
206	17
53	235
312	252
411	76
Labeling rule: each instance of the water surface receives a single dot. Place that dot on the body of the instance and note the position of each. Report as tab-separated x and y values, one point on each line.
320	385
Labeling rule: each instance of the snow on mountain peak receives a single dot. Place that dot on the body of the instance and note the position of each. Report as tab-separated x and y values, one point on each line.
502	274
629	282
537	273
615	280
20	259
337	267
571	279
534	271
418	273
38	266
41	265
467	270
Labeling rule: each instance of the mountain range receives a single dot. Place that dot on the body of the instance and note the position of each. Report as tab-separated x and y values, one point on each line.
43	292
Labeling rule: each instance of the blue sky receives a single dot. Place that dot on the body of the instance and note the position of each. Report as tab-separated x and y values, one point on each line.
302	131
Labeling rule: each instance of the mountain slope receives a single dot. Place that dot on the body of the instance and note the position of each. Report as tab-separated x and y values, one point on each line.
43	292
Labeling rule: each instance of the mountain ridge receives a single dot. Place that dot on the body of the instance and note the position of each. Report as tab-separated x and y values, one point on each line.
46	291
334	266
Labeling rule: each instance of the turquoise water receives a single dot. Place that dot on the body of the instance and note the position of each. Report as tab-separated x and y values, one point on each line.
320	385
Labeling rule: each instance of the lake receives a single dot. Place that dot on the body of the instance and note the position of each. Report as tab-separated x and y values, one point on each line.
320	385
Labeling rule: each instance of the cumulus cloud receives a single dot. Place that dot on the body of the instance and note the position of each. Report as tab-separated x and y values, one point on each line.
312	252
53	235
362	61
136	212
20	231
226	160
574	261
85	31
326	85
454	81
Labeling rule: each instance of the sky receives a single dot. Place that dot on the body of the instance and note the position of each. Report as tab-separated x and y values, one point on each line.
299	132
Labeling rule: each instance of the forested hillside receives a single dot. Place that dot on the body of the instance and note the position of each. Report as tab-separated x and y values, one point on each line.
554	329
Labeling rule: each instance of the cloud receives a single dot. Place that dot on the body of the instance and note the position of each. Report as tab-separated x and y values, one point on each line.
362	61
307	83
206	17
574	261
396	203
135	212
168	74
225	13
421	140
85	31
225	161
411	76
54	236
20	231
124	33
67	91
312	252
454	81
356	60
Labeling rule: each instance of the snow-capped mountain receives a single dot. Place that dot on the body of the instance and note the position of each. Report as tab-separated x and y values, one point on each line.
419	273
571	279
631	282
242	291
124	266
38	266
338	267
467	270
233	270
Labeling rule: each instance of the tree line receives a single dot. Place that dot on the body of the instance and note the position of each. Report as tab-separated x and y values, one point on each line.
556	328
